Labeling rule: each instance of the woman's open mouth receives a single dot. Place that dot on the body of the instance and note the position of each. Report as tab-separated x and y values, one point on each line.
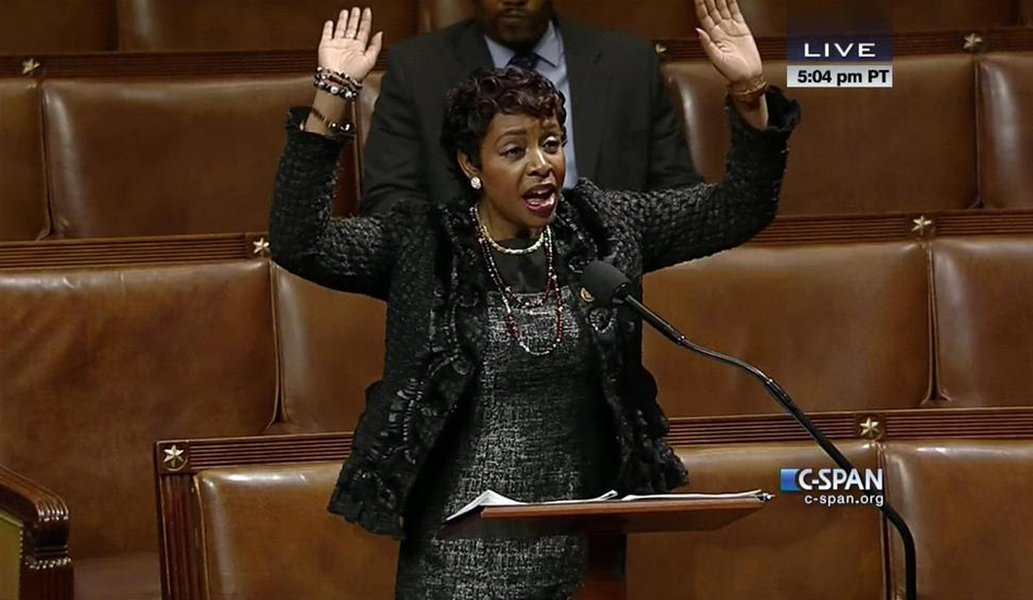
541	199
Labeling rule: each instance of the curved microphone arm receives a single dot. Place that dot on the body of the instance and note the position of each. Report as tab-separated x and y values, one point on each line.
621	295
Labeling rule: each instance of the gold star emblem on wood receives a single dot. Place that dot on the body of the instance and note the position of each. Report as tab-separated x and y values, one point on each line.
174	459
973	42
922	224
29	66
870	429
261	247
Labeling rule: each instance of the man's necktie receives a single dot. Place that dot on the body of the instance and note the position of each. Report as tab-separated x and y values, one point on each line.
525	60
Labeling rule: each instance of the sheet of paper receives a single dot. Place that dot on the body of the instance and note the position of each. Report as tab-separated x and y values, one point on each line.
749	494
493	498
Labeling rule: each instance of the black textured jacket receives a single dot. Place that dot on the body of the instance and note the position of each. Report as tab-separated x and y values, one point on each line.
425	262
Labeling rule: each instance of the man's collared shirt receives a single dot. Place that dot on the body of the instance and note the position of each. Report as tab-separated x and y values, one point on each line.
552	63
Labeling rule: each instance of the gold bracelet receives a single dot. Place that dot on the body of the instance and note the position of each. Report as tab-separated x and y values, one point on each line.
751	91
337	130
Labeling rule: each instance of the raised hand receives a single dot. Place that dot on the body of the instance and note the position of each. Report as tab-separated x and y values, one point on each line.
347	47
727	40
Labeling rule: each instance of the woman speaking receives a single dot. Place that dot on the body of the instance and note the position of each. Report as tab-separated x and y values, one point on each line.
499	373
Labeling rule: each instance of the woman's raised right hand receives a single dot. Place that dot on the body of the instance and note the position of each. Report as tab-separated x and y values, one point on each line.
347	47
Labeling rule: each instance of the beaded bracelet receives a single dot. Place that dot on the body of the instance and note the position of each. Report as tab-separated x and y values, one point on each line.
337	83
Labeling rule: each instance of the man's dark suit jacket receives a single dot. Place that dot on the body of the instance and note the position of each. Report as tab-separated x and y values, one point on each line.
626	134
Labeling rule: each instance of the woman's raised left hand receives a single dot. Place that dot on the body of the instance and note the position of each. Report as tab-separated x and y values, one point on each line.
727	40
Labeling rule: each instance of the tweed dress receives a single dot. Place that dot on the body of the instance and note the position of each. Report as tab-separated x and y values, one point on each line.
535	431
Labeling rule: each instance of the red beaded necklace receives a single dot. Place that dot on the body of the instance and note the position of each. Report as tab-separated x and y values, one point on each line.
510	298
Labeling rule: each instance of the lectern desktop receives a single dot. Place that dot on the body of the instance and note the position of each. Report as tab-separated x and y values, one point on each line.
606	524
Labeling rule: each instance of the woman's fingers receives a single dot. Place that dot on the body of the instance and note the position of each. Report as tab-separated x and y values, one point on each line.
722	9
701	10
328	30
365	24
712	10
733	6
374	45
707	43
703	14
353	23
342	24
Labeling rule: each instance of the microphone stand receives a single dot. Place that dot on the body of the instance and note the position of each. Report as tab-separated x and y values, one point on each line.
782	397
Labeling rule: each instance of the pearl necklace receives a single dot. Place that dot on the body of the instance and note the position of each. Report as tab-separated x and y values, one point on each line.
509	297
484	233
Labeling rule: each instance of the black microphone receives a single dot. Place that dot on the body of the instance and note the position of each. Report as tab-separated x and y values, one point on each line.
606	285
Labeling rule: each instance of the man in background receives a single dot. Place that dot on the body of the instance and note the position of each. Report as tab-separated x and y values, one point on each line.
621	128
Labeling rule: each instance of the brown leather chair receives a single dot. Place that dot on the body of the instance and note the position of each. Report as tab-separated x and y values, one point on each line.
983	310
364	113
32	26
1006	130
244	515
915	15
650	19
23	191
782	17
331	348
907	148
647	18
787	550
438	14
677	18
966	502
265	533
98	364
841	327
132	157
194	25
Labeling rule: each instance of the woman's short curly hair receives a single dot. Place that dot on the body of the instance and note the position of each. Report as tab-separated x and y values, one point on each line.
471	105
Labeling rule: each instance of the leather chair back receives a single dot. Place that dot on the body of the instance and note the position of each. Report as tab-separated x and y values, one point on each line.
331	348
195	25
907	148
438	14
647	18
788	550
266	533
31	26
841	327
23	190
98	364
677	18
367	102
782	17
132	157
965	505
983	308
1006	130
650	19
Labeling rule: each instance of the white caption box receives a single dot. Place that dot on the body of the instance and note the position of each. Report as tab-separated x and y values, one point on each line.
874	75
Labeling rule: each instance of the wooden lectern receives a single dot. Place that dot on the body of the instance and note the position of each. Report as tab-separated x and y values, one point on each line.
606	524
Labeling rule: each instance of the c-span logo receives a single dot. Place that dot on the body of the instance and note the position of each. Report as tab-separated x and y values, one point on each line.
787	480
832	485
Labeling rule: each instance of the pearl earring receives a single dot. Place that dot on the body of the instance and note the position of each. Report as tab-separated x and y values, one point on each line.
475	182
